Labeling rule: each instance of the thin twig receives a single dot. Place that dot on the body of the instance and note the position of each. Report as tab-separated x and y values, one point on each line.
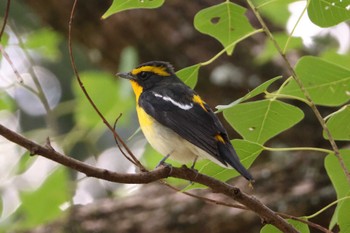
303	90
217	202
71	56
118	145
209	200
8	59
299	219
294	28
6	15
50	117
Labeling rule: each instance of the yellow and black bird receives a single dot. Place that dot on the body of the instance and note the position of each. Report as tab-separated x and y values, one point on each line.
176	121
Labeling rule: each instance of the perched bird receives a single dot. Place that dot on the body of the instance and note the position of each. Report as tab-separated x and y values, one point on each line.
176	121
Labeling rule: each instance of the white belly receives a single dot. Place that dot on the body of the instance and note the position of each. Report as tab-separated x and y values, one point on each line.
166	141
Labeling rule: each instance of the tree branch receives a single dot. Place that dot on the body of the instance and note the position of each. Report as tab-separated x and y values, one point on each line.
266	214
49	153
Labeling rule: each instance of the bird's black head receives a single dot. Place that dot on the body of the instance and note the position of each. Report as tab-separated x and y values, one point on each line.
150	74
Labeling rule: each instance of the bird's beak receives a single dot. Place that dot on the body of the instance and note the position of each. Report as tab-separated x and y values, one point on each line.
125	75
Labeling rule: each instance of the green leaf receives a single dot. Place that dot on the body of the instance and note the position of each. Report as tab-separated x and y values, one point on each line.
327	13
189	75
6	102
338	178
338	124
122	5
257	91
261	88
46	41
43	204
328	84
343	215
268	228
299	226
109	96
270	51
261	120
247	152
151	158
24	163
339	59
4	39
336	173
226	22
275	11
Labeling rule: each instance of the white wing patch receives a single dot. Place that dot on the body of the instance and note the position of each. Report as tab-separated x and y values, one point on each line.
180	105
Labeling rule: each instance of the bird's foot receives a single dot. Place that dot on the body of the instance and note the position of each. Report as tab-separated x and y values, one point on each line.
163	163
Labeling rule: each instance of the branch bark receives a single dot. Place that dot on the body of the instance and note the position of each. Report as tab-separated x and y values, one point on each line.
266	214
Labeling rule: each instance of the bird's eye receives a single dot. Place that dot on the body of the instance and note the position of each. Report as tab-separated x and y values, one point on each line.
143	75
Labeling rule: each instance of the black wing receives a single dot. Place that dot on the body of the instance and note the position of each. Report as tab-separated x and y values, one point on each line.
174	108
194	124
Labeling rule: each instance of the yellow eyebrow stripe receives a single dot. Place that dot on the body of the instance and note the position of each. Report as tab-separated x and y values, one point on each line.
154	69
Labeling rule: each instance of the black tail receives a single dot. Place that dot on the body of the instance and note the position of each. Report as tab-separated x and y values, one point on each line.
228	154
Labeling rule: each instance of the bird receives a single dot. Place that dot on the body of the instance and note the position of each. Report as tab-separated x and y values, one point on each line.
176	121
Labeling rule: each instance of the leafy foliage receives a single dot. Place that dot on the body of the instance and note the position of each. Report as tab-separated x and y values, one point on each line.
284	41
225	22
50	48
119	5
95	82
54	191
275	11
343	215
338	178
257	91
301	227
189	75
259	121
247	152
325	76
338	124
327	13
327	83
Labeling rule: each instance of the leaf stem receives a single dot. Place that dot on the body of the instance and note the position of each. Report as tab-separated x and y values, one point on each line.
326	207
39	92
295	26
277	95
303	90
280	88
230	45
336	112
298	149
266	3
